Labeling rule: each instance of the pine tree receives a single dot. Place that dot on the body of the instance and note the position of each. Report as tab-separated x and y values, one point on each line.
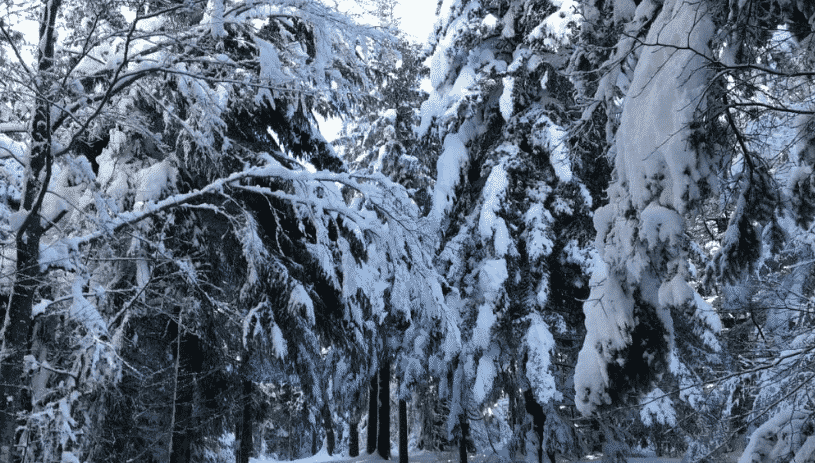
513	213
162	167
697	222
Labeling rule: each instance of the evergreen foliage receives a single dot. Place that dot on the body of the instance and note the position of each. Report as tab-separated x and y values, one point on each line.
593	233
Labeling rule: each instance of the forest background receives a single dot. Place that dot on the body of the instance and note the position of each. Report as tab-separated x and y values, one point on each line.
559	227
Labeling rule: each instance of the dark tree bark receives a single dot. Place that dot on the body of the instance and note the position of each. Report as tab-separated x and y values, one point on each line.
403	432
328	425
315	436
464	425
182	435
18	318
373	413
190	363
517	414
353	428
244	432
353	439
384	441
181	439
538	419
243	426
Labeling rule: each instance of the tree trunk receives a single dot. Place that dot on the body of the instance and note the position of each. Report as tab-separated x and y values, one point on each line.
464	426
243	427
315	436
182	451
353	438
517	414
182	435
328	425
372	413
538	419
17	321
384	442
403	432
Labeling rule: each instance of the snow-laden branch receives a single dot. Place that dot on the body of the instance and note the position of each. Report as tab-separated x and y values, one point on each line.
13	127
151	208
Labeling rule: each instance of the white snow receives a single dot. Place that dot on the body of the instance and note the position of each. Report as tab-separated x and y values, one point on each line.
775	438
214	17
441	99
489	224
539	222
660	225
16	219
491	278
390	115
485	376
84	312
675	292
558	26
453	159
40	307
711	321
505	103
483	326
552	138
657	408
624	10
270	66
656	173
648	151
609	313
299	298
689	386
320	457
540	345
279	343
489	22
805	453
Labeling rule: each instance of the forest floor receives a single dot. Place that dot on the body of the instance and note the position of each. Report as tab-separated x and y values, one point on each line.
436	457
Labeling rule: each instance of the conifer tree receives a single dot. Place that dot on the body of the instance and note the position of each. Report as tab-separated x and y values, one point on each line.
177	212
512	212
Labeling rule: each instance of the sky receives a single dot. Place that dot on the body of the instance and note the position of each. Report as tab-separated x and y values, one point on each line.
416	19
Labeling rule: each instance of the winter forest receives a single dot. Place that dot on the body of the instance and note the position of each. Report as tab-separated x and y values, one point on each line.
554	229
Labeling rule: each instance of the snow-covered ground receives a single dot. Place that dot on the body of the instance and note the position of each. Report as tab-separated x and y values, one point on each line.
433	457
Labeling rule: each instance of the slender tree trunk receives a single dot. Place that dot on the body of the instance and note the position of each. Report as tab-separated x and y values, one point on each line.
424	404
179	449
353	427
315	436
464	424
243	427
328	425
247	444
353	438
538	419
517	413
384	442
403	432
372	413
16	324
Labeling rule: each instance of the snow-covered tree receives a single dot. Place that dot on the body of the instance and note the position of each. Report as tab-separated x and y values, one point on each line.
511	210
703	107
642	272
168	188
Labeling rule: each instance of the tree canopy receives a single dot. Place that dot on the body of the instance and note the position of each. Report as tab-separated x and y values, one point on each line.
560	227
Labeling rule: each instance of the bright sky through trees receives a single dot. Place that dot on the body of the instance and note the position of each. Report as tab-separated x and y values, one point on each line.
417	18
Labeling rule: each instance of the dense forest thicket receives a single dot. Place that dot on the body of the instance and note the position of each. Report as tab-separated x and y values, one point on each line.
560	227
